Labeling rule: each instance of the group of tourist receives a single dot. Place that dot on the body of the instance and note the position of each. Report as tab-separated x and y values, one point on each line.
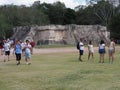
26	48
101	50
19	48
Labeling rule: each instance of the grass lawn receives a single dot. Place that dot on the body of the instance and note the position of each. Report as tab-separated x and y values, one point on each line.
61	71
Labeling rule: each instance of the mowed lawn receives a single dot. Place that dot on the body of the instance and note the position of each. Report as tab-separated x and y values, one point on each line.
61	71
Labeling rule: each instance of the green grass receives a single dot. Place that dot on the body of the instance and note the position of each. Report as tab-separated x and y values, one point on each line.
61	71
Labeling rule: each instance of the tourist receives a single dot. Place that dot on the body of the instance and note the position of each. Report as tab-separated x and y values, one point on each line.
102	51
90	50
7	50
81	49
32	43
27	52
23	47
18	51
2	46
111	50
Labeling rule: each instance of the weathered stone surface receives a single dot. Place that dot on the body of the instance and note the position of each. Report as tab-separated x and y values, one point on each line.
61	34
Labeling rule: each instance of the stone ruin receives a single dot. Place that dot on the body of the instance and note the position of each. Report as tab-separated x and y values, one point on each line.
61	34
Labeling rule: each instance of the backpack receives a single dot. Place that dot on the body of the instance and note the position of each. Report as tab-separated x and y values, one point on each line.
78	46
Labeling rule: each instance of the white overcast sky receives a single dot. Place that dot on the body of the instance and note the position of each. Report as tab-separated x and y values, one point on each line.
68	3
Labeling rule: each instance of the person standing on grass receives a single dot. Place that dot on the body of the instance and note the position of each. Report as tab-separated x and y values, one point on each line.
32	43
81	49
111	50
102	51
17	51
7	50
90	50
27	52
2	46
23	47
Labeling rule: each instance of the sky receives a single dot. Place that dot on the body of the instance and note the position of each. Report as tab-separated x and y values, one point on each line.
68	3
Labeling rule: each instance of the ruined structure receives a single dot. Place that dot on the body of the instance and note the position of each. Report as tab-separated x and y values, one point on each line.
61	34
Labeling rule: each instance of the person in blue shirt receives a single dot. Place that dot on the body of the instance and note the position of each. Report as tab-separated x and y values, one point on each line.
18	51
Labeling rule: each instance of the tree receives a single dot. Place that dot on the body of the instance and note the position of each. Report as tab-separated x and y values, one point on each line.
86	16
104	11
4	27
69	16
10	13
115	26
55	12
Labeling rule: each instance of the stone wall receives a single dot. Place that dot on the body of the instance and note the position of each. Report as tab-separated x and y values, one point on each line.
61	34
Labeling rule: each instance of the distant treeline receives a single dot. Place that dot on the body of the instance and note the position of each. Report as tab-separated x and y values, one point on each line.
38	13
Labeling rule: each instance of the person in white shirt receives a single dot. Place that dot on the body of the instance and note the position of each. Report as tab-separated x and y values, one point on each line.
7	50
23	47
90	50
111	50
81	49
27	52
102	51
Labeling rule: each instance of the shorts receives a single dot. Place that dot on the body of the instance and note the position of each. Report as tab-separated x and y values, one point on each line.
101	51
27	55
111	50
91	51
18	56
81	52
7	53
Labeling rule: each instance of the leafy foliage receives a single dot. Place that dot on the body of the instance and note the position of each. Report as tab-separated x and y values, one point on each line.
104	11
4	27
115	26
69	16
87	17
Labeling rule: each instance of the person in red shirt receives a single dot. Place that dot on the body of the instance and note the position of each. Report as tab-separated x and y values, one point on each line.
32	43
1	47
